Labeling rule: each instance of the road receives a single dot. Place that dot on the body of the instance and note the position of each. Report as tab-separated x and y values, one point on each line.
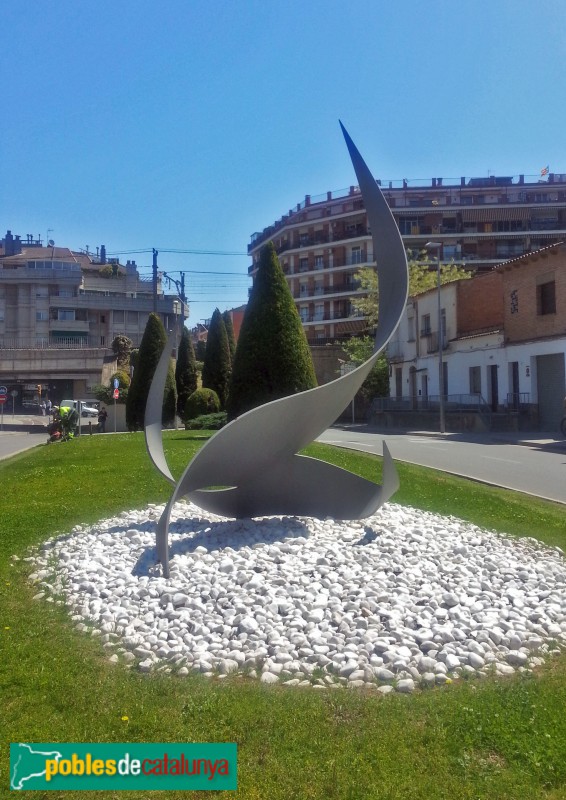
529	465
12	443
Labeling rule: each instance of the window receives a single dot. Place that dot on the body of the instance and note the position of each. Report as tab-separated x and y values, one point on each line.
425	331
303	265
399	382
514	301
41	316
118	317
356	255
546	298
132	319
411	329
41	291
319	262
475	380
66	314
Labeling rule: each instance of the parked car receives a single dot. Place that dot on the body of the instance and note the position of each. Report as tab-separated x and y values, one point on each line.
87	408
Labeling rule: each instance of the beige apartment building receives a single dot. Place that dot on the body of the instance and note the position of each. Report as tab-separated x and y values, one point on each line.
479	222
60	310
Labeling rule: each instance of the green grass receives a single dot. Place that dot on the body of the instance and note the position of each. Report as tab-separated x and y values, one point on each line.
474	739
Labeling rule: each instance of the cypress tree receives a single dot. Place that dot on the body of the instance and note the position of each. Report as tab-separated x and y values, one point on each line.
185	371
273	357
153	341
217	366
169	396
230	333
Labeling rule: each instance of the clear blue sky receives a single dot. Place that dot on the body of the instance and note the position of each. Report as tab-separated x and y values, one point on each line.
189	125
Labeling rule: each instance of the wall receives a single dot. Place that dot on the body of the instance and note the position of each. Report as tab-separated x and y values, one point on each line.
520	281
326	362
480	303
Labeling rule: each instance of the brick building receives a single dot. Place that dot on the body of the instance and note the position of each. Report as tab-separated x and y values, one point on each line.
503	336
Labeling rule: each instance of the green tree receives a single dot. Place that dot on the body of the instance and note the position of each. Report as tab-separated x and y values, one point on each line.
230	333
169	396
152	344
185	371
122	348
217	364
106	393
422	277
272	357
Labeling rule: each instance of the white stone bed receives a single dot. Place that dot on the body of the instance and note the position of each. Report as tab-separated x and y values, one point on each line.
402	599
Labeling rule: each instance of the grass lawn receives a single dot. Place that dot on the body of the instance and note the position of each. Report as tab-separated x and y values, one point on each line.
474	739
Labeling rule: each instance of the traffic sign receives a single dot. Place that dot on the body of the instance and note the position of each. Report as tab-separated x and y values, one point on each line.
3	399
116	383
116	394
3	390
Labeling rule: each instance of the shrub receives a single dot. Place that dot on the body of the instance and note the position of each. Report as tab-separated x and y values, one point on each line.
207	422
203	401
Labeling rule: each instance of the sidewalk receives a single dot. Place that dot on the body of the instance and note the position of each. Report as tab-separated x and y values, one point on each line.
23	423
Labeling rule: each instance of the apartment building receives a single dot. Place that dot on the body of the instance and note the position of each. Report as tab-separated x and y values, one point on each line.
60	310
479	222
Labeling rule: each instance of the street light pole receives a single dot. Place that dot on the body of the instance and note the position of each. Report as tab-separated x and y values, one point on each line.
430	246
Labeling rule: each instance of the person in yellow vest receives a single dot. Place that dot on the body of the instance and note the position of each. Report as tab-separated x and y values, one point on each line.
69	419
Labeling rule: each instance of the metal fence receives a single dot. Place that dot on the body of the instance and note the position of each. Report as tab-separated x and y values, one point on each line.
452	402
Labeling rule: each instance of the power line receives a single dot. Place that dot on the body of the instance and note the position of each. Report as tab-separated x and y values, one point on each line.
174	250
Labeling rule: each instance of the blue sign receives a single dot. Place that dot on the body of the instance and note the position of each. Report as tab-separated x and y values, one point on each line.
116	383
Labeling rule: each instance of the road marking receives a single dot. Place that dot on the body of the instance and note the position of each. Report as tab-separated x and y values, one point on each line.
506	460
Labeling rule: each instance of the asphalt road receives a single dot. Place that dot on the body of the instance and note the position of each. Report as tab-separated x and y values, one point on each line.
536	467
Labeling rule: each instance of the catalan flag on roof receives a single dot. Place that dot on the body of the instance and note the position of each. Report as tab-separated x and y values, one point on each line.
544	171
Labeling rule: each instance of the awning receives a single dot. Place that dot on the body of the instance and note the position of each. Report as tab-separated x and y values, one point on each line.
498	237
490	214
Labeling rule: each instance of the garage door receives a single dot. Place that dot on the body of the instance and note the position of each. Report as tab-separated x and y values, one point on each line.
551	390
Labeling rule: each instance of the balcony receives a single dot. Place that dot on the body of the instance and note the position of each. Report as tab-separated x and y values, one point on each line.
395	351
69	326
432	343
338	316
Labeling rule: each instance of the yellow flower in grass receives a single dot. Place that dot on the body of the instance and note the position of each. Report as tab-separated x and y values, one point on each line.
125	718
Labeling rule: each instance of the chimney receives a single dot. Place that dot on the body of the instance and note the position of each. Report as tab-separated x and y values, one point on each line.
103	254
434	183
462	181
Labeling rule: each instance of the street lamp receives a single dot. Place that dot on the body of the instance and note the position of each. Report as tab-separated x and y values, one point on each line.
431	247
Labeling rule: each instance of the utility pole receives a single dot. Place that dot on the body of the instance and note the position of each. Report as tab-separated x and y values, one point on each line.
155	254
183	298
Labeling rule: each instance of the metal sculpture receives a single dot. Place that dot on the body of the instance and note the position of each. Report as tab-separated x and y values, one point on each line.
255	457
